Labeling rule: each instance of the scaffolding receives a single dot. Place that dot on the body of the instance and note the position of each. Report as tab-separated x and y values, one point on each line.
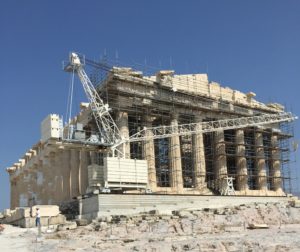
142	107
287	155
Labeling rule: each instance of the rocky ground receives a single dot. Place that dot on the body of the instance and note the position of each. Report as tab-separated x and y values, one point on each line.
223	229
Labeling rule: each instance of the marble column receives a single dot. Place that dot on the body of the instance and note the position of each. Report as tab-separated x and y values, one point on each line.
199	157
58	177
52	194
20	189
176	179
83	173
40	179
45	185
13	193
149	154
241	162
122	124
66	173
275	166
260	162
220	155
74	173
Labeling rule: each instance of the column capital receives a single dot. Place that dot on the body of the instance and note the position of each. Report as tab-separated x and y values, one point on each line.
148	120
274	140
11	170
121	114
174	116
198	117
239	137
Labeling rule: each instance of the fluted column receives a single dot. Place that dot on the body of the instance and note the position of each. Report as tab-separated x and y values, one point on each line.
122	123
241	162
59	189
260	162
66	170
74	174
176	180
45	174
199	157
20	189
275	166
51	194
149	154
13	193
220	152
34	186
83	173
40	179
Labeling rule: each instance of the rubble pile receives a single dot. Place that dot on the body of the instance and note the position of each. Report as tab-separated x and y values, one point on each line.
252	227
220	229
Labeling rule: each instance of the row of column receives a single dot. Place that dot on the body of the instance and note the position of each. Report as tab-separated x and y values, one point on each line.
58	176
220	168
72	165
241	162
176	179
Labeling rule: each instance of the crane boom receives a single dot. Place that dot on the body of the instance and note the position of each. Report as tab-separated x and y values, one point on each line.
108	130
205	127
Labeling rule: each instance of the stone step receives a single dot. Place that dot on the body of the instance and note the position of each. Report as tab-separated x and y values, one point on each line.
118	204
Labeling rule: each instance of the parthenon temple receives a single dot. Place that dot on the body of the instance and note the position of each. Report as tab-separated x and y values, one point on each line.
248	161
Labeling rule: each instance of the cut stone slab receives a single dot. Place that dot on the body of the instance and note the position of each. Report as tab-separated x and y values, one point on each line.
81	222
6	212
46	210
296	204
67	226
257	226
27	212
29	222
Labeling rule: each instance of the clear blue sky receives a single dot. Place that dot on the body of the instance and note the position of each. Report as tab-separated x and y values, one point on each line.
247	45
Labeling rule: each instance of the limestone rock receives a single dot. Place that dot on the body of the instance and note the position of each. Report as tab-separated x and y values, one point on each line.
67	226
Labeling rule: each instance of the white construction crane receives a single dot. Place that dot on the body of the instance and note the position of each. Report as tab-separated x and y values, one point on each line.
110	134
108	130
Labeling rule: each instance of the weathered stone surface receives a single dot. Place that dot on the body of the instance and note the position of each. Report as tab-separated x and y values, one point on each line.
25	213
296	203
29	222
208	232
67	226
81	222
